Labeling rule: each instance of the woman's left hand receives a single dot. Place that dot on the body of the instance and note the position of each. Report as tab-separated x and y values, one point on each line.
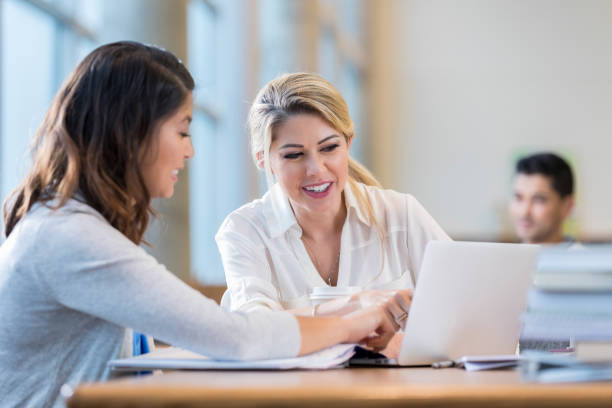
396	303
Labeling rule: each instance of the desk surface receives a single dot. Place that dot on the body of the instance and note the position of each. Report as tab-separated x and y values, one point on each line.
357	387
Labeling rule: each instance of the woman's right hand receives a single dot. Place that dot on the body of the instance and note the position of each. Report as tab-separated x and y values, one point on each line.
372	327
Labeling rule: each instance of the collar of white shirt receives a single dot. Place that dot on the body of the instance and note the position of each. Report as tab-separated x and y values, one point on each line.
280	216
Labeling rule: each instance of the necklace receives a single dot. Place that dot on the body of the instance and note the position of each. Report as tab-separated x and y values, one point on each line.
332	271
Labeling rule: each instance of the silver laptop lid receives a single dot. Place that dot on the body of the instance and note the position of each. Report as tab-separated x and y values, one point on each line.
468	300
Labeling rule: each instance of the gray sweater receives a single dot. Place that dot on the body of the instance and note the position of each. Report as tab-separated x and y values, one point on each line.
71	285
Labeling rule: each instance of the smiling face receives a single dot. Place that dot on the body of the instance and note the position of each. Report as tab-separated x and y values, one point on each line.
310	161
538	210
172	146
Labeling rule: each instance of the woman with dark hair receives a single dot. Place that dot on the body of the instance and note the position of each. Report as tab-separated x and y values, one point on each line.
72	275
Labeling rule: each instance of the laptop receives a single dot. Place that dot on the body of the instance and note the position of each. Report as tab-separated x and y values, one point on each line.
468	301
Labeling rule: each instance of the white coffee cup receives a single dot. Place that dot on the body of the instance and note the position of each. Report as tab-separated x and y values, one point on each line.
322	294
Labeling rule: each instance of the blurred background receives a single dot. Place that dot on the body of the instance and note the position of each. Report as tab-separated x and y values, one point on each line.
445	95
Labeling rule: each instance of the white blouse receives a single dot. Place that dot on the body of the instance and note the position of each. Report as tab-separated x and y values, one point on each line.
266	263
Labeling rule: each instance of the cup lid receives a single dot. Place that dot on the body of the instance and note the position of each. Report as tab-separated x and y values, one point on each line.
334	291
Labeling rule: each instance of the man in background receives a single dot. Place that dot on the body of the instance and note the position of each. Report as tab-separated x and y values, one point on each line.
543	198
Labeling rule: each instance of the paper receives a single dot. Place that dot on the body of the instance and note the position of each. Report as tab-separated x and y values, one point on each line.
490	362
173	358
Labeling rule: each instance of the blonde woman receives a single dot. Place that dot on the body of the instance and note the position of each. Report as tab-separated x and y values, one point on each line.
325	219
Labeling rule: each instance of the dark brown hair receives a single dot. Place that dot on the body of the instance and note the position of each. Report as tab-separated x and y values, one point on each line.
93	136
552	166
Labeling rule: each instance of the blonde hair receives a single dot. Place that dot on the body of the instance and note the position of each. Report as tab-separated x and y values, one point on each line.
297	93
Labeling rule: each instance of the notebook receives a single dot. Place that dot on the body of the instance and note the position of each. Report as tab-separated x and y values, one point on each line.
174	358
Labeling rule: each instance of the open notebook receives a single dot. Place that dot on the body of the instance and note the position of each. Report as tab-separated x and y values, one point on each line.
173	358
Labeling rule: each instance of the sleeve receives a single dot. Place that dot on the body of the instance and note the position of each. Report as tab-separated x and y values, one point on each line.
247	267
422	228
93	268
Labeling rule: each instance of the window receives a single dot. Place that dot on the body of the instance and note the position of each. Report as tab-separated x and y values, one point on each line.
341	59
40	45
286	30
218	182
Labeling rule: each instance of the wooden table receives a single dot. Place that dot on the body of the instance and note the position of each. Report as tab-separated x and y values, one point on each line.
356	387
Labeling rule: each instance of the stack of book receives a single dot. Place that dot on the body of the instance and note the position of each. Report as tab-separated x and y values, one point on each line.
570	303
571	297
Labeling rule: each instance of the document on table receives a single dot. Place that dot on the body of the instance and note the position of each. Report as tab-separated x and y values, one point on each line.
173	358
477	363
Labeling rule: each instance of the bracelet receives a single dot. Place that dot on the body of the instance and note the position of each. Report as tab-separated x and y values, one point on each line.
314	309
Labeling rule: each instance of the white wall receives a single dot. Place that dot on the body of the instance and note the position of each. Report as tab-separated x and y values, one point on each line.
460	88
